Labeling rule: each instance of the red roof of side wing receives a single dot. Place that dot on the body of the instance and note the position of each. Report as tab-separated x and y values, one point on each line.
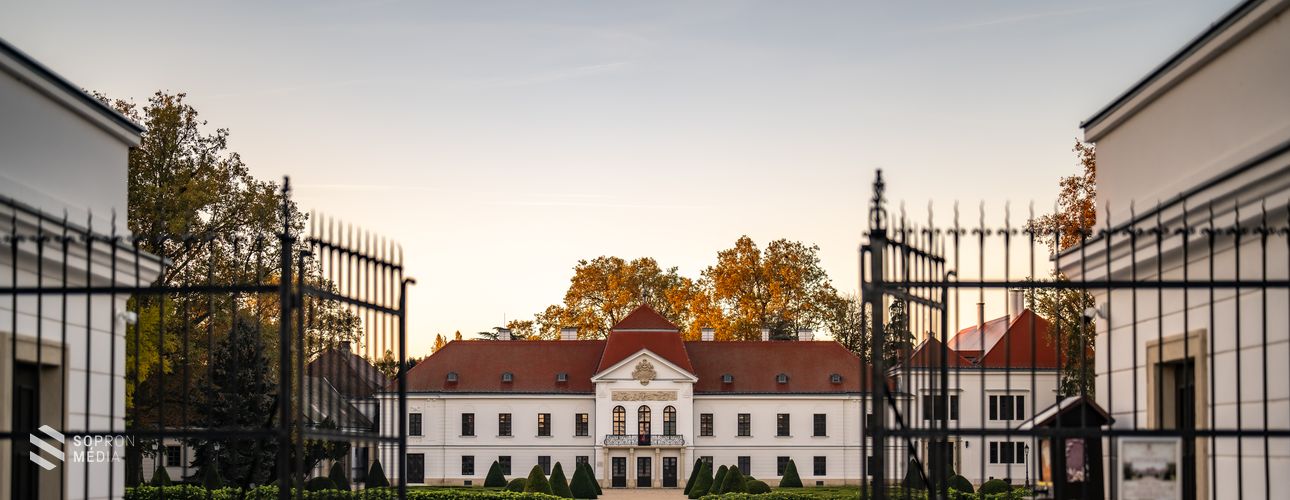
928	355
479	365
645	328
755	366
1026	344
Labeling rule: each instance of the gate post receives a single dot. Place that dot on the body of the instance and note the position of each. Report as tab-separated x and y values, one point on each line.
286	241
874	295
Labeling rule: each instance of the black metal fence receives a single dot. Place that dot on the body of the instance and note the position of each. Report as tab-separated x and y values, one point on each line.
1147	358
246	359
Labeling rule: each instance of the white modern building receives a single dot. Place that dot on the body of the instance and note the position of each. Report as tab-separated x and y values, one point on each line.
998	374
63	155
640	406
1204	137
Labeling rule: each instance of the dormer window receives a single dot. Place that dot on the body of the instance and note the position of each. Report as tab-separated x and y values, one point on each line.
727	378
508	377
835	378
781	378
452	376
562	377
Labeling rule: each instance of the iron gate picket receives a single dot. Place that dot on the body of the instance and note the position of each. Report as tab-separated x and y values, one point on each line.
317	312
1140	317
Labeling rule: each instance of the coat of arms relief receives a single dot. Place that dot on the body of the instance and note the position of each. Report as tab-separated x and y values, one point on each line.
644	372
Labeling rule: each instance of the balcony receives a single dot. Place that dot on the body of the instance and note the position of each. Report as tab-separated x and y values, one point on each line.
644	440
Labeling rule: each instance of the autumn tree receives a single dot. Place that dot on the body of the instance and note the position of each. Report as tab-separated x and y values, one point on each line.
604	290
439	343
782	287
1070	225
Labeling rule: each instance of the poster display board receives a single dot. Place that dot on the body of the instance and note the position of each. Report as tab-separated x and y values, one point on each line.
1150	468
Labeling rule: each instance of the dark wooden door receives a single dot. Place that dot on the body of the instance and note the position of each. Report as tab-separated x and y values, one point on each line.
669	472
644	472
618	472
416	468
26	418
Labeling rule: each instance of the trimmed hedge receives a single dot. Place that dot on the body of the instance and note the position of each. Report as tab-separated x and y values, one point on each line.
756	487
319	483
994	487
960	483
516	485
495	477
559	485
702	483
790	479
536	482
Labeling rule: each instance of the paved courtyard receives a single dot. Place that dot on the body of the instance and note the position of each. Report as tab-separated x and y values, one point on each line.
644	494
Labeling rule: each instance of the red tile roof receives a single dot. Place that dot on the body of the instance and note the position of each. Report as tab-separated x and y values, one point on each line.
928	355
644	318
479	365
755	366
1023	342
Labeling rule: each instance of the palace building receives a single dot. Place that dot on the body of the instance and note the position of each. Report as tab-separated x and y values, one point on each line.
640	406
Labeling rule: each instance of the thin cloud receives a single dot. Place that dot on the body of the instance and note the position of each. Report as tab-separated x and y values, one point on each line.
1022	18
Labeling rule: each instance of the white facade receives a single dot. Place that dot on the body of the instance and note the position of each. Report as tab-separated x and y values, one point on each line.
1210	128
61	152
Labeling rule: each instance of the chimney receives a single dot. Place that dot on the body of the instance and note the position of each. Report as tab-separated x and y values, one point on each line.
1016	303
707	334
805	334
765	334
503	334
568	334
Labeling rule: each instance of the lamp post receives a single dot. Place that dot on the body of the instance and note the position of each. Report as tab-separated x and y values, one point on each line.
1025	449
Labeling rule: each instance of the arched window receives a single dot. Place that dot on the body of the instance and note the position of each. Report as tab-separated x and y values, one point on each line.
642	420
620	420
669	421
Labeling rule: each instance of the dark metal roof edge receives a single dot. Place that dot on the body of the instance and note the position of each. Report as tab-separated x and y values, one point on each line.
67	86
1190	48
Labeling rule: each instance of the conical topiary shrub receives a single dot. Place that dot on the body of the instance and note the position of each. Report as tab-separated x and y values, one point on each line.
161	477
338	477
560	485
694	473
376	476
320	483
495	477
516	485
914	479
702	483
718	480
581	486
211	479
591	473
536	482
790	479
960	483
734	482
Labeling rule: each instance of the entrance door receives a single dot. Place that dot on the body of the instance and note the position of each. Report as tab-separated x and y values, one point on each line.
669	472
416	468
1181	381
618	472
940	454
26	415
644	472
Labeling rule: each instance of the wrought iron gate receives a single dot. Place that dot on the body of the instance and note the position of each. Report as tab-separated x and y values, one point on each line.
248	359
1165	332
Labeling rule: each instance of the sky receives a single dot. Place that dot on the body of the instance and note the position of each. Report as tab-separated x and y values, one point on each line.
501	142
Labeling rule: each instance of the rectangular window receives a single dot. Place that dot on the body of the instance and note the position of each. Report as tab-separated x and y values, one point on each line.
934	407
1020	404
173	456
505	462
582	459
581	424
467	465
994	407
1007	452
868	465
745	464
707	459
414	424
705	424
782	425
544	424
781	463
1007	407
745	424
821	466
503	424
821	424
868	421
544	461
468	424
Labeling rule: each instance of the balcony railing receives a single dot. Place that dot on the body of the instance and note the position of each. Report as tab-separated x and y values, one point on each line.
644	440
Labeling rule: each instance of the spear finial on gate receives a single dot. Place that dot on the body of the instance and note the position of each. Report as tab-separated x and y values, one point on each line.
878	213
